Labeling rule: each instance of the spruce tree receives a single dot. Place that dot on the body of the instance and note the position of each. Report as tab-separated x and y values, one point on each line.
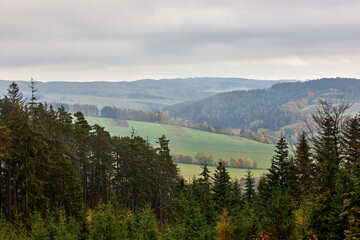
263	194
14	94
250	187
221	187
167	174
100	165
146	225
304	168
205	173
189	222
33	98
278	221
202	193
236	201
329	156
279	170
352	143
16	122
105	224
82	136
5	152
225	230
328	141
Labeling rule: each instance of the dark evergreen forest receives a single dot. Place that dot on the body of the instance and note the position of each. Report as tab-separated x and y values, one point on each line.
61	178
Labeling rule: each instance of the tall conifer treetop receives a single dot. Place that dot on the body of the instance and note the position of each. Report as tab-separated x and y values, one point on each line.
279	164
14	94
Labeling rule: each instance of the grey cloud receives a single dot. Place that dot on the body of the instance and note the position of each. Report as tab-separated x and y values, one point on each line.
133	34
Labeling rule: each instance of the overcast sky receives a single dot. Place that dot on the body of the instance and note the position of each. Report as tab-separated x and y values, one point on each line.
123	40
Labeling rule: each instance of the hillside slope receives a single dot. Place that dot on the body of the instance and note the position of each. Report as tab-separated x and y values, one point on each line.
272	108
179	89
190	141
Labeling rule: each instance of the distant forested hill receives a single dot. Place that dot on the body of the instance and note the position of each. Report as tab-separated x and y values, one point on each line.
281	105
179	89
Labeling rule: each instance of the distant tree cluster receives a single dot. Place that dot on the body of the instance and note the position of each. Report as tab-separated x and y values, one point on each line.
202	158
259	137
243	163
136	115
86	109
179	158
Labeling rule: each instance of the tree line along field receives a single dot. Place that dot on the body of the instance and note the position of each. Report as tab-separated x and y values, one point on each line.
191	141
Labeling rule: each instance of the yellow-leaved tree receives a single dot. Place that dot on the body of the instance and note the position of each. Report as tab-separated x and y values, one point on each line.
225	230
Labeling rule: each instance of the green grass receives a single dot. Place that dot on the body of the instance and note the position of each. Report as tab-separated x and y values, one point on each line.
188	171
195	141
100	102
175	130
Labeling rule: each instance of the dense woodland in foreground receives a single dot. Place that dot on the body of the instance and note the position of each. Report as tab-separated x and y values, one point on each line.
61	178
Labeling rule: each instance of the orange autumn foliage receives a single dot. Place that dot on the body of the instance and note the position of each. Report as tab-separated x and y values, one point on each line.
225	230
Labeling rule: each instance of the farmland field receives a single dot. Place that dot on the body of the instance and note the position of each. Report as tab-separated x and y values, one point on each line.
100	102
190	142
188	171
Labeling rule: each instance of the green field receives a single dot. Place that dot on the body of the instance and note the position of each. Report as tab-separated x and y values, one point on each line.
188	171
190	141
100	102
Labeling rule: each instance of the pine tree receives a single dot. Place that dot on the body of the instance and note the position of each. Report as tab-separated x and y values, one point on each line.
329	156
82	135
188	218
35	166
100	165
33	98
14	95
146	225
167	177
304	168
16	122
61	227
250	188
121	167
279	220
221	187
246	223
352	143
345	214
65	181
38	228
279	171
328	152
225	229
205	173
5	152
202	193
236	201
105	224
263	194
12	115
